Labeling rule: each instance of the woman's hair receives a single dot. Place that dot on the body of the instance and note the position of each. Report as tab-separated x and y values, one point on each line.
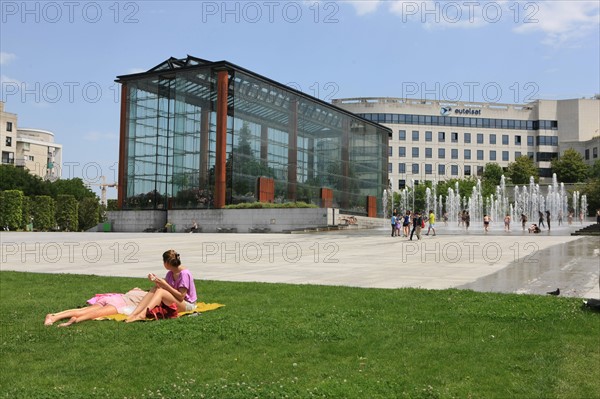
172	258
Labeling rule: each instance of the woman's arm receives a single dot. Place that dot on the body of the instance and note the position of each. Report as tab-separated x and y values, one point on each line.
178	294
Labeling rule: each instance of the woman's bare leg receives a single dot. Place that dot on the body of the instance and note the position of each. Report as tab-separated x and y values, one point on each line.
160	295
143	305
51	318
91	314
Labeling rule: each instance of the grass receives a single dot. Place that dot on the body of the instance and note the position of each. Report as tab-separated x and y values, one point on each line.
298	341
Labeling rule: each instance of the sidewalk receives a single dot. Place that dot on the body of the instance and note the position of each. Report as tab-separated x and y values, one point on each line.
496	261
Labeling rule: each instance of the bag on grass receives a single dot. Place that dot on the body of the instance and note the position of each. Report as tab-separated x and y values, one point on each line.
162	311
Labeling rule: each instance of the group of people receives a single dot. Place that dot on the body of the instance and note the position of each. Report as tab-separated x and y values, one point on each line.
177	288
412	223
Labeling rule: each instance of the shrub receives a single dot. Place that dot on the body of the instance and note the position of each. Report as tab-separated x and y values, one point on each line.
11	208
89	213
66	213
42	210
26	215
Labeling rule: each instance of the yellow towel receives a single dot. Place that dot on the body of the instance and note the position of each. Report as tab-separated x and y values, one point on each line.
201	307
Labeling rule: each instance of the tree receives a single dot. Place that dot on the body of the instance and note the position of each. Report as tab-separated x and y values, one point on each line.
521	170
75	187
595	170
492	175
570	167
13	178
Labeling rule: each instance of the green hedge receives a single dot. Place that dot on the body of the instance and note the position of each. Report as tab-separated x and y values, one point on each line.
42	210
267	205
11	209
26	215
66	213
89	213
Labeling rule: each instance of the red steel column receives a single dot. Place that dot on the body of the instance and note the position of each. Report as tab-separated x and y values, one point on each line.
204	133
221	155
292	151
122	182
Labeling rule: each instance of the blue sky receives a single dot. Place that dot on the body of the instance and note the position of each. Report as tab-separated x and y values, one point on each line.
58	60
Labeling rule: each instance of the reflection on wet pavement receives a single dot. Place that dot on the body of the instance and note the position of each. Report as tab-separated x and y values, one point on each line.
574	267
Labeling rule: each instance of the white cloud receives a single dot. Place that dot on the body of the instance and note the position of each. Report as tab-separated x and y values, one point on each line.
364	7
96	136
563	22
5	58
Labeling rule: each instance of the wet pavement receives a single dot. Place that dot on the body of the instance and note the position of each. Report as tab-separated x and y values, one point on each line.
496	261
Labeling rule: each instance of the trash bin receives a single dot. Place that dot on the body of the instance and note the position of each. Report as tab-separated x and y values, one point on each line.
173	228
106	227
29	227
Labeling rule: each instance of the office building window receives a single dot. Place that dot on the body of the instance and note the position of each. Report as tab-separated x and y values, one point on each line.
467	138
428	169
415	152
389	168
595	152
492	139
428	153
492	155
454	137
479	138
454	170
587	154
479	170
441	137
441	170
401	184
517	154
401	168
402	135
530	155
8	141
467	154
9	126
480	155
415	169
517	140
505	139
441	153
467	170
390	151
428	136
530	141
415	135
401	152
505	155
454	153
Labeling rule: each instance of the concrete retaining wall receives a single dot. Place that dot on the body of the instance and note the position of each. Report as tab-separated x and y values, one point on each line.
226	220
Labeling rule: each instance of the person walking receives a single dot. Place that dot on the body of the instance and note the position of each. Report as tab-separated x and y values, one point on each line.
523	220
431	223
507	222
540	219
406	224
467	220
486	222
548	219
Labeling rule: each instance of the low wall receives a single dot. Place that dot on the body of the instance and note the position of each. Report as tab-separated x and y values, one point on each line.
225	220
136	221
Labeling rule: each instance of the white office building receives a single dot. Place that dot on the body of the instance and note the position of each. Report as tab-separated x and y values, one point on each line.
440	140
32	149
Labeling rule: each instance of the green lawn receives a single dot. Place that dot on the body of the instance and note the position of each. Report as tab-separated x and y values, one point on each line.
299	341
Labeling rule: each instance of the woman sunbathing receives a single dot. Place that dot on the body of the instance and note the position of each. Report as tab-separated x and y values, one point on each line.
101	305
176	288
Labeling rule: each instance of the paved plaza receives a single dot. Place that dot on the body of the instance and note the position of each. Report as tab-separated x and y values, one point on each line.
496	262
